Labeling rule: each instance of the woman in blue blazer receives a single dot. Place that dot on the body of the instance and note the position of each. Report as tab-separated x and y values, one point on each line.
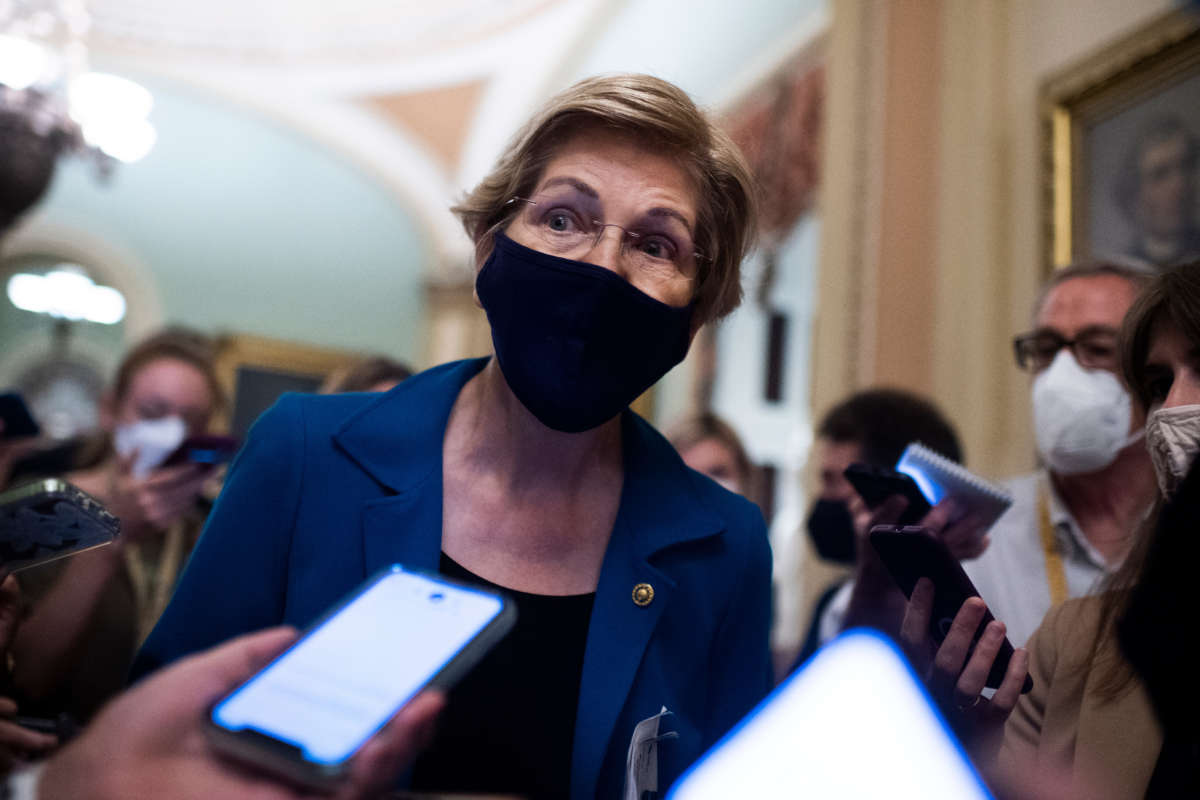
609	232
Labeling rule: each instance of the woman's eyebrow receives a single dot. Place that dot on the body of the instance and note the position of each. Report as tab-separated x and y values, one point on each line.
577	184
663	211
584	188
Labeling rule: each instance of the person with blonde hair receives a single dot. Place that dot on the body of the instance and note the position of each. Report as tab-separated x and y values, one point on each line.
611	229
710	445
88	614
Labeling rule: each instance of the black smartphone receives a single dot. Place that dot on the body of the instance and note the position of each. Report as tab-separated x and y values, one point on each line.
63	726
910	553
18	421
876	484
304	715
205	448
50	519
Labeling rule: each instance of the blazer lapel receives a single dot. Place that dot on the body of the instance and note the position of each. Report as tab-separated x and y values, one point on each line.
405	525
404	529
657	511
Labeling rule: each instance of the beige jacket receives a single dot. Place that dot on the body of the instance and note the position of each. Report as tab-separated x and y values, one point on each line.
1064	731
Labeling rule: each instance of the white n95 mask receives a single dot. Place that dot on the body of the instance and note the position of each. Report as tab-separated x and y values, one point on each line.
1173	439
152	439
1080	416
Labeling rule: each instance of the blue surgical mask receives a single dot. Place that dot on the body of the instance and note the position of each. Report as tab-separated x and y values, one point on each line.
576	342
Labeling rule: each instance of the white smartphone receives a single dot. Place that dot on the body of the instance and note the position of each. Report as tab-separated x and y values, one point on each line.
852	722
305	714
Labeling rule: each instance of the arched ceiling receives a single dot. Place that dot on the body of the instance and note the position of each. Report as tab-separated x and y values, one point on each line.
304	32
423	95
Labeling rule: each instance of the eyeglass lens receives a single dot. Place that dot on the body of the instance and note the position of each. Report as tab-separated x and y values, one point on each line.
1094	349
569	225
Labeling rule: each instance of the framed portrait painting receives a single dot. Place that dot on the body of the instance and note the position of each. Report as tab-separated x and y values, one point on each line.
1122	135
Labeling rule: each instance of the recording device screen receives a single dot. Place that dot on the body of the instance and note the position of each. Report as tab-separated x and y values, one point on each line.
347	677
852	722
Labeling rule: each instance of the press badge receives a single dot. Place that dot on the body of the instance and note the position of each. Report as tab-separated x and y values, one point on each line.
641	765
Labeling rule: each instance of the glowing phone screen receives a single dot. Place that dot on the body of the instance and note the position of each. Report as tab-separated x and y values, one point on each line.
345	679
852	722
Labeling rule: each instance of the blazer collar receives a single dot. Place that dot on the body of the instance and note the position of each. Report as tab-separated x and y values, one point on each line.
397	439
660	506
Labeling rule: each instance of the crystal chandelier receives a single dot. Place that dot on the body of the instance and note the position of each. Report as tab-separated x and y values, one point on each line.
51	105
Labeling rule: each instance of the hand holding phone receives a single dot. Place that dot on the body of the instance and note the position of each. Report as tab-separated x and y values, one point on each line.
149	741
308	712
208	449
876	484
912	553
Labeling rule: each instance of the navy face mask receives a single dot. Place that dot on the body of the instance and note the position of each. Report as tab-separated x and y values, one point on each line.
576	342
832	531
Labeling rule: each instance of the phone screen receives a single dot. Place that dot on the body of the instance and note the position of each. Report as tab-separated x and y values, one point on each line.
854	721
348	676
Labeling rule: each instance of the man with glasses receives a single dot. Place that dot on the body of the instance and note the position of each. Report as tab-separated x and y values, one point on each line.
1073	520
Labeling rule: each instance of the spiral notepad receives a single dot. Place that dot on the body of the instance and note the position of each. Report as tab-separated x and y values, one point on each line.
939	477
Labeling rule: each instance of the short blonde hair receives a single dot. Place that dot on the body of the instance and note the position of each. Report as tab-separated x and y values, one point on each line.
661	117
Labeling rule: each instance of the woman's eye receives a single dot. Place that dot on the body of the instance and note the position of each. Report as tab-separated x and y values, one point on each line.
1159	386
657	247
560	221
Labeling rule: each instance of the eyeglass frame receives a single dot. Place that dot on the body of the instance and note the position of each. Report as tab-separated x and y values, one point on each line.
602	225
1071	344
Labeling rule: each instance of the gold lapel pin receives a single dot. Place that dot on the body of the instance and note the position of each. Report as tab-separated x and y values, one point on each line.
643	594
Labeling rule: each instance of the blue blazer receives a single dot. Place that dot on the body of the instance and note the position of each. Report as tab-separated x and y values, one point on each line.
328	490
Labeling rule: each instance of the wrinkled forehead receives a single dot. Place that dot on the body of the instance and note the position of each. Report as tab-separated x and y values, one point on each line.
588	145
1083	302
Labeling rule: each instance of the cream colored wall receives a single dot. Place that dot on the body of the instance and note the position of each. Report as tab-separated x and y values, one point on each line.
990	256
931	207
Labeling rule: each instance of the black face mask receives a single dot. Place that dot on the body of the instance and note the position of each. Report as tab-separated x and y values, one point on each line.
832	531
576	342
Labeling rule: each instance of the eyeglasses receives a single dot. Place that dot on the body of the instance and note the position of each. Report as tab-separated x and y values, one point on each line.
661	249
1093	348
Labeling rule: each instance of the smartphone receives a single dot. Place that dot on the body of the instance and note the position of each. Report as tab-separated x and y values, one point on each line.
50	519
63	726
204	449
304	716
18	421
857	697
877	484
910	553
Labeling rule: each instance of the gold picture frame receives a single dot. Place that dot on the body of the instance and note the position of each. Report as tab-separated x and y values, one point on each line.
1096	118
292	366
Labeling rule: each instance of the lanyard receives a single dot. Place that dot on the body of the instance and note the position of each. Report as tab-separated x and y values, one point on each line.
1056	575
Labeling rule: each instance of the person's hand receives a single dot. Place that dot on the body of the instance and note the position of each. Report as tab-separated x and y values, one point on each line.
19	745
151	503
963	534
149	742
956	676
10	612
